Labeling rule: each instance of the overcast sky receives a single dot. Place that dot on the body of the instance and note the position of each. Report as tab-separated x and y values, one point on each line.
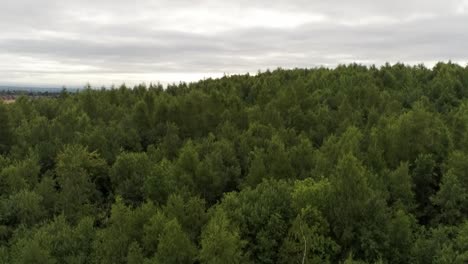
104	42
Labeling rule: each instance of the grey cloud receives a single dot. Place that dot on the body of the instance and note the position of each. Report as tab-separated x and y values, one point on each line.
69	34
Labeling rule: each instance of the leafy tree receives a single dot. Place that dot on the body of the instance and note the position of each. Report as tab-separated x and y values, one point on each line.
128	175
26	207
190	213
452	200
262	215
47	189
309	240
355	211
173	239
152	231
400	237
220	243
78	171
257	170
186	167
417	131
36	249
399	184
135	254
160	182
124	227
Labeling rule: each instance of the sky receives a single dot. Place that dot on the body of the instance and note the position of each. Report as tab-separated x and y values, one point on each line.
105	42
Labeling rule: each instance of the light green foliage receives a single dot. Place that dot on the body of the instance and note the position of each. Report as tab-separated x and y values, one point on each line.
310	193
189	212
186	167
33	250
160	182
309	240
220	242
19	175
262	215
26	207
124	226
152	232
46	188
174	245
442	245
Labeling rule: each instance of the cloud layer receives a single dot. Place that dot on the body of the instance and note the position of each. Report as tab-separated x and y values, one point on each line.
52	42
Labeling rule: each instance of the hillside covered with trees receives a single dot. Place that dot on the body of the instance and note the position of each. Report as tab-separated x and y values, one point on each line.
349	165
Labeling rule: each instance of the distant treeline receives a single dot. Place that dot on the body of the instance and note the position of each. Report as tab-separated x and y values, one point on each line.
32	90
13	93
348	165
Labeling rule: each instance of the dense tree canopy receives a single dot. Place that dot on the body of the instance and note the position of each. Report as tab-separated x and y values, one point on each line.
349	165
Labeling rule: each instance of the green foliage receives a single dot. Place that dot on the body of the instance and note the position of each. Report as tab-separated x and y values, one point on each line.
262	215
355	210
406	136
399	185
442	245
152	231
348	165
128	175
401	237
309	240
124	226
452	199
135	254
26	207
220	242
425	179
78	174
189	212
174	245
160	182
19	175
33	250
6	131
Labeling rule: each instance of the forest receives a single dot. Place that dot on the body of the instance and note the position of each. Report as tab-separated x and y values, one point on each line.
353	164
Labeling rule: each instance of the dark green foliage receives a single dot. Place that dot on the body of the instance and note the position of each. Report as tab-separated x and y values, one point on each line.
6	133
79	175
128	175
349	165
